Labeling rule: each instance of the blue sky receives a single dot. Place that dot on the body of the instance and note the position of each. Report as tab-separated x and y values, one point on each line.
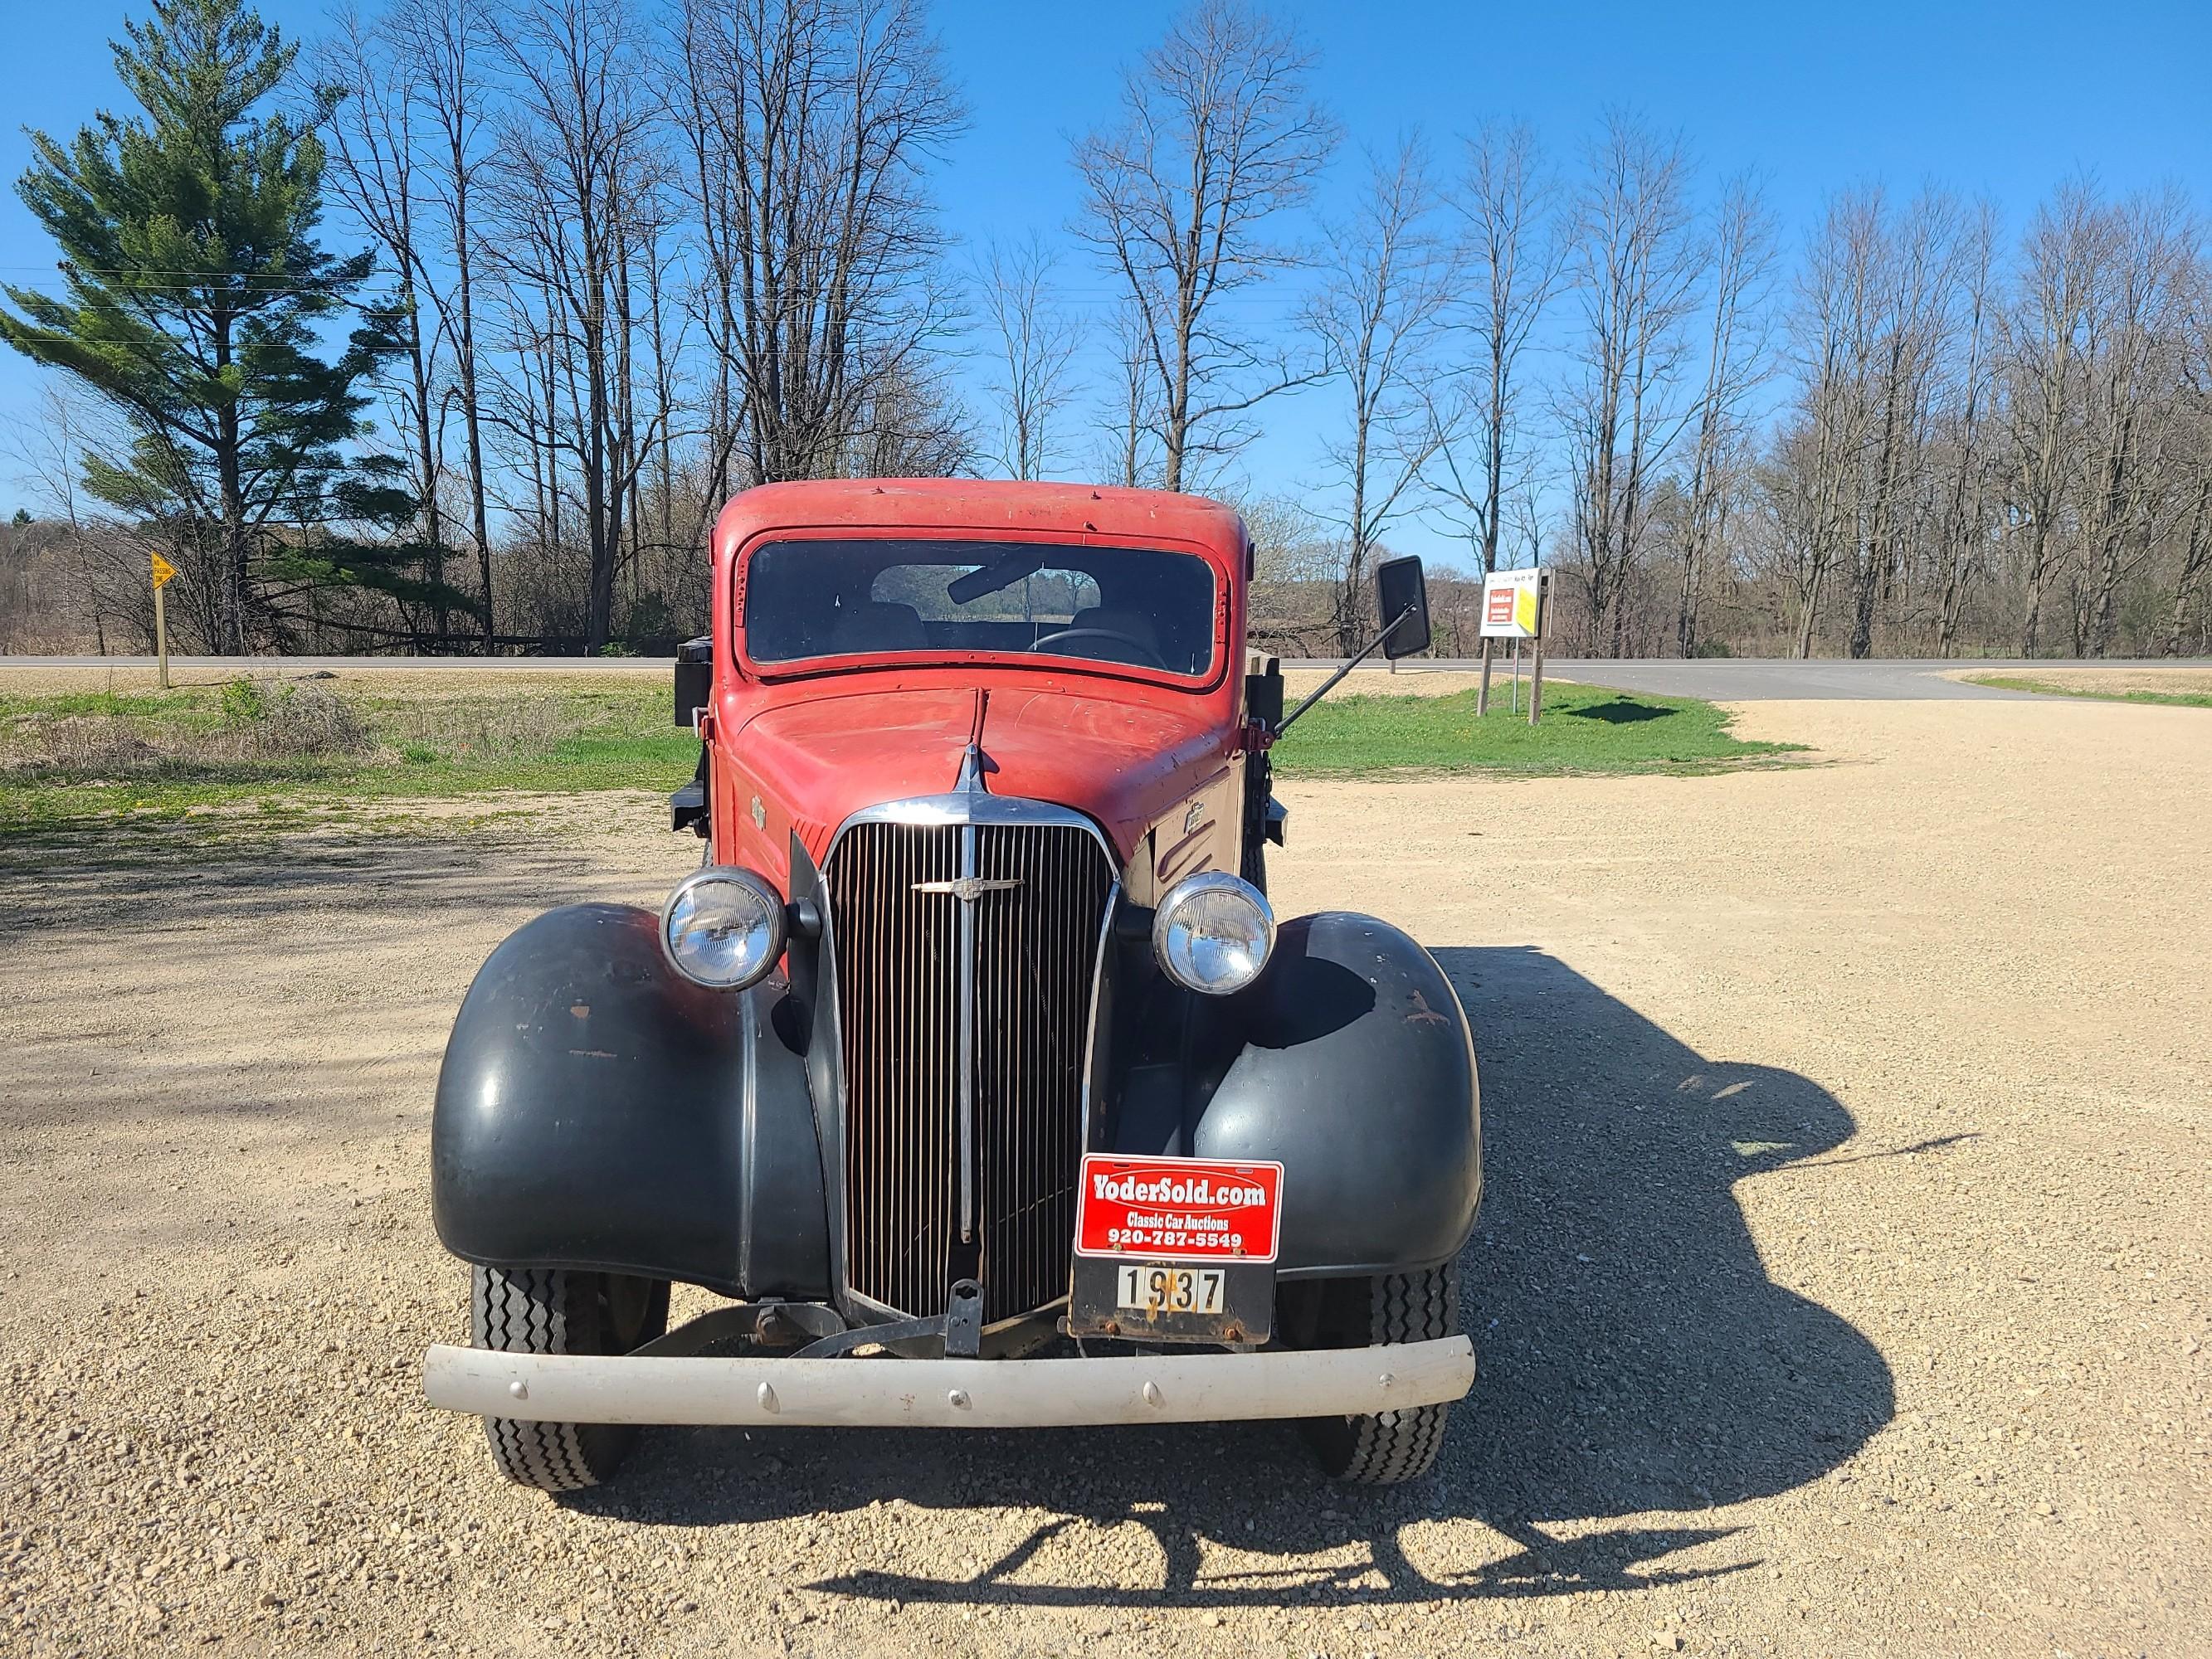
2003	99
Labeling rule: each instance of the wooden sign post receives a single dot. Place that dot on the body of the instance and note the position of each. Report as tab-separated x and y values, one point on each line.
1537	668
163	570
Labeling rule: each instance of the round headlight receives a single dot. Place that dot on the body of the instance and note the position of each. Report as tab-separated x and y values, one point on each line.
723	928
1213	933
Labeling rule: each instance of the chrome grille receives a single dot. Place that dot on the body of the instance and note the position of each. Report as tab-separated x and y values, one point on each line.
901	956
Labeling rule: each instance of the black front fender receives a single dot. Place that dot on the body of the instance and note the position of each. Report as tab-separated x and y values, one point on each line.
1349	1063
596	1110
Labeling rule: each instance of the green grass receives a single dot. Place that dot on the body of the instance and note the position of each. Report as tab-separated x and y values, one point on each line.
1585	729
255	765
273	757
2060	688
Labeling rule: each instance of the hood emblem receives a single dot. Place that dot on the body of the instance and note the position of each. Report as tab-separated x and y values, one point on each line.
969	888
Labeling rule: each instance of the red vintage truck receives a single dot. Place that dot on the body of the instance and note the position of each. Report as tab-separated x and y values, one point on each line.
972	1066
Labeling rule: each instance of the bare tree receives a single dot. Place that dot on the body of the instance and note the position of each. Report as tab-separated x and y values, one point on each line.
1296	563
1379	314
1635	266
1510	259
2061	264
577	183
373	154
2195	398
1834	327
1916	254
439	45
1032	344
1963	523
1743	254
2133	349
910	427
1130	423
1217	137
811	125
103	556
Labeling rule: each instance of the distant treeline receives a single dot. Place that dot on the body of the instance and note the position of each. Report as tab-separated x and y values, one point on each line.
491	307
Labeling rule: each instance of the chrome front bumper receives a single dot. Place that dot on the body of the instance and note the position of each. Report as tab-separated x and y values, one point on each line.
948	1393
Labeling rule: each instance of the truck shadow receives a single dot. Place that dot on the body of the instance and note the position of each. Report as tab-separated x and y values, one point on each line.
1635	1357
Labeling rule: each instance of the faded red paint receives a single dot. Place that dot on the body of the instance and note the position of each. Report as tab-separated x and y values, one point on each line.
814	743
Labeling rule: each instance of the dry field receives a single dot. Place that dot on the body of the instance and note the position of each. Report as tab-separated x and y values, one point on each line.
2182	679
1842	1287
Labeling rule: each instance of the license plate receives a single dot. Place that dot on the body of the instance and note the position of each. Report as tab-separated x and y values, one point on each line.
1159	1288
1233	1302
1185	1209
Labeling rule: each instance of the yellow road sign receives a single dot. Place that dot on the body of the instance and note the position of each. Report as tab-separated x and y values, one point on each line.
162	571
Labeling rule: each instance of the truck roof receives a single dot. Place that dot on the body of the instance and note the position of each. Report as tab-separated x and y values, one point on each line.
1105	510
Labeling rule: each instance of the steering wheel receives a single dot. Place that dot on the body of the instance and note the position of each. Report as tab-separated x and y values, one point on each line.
1131	640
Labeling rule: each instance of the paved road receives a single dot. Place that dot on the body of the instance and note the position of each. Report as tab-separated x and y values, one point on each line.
1720	679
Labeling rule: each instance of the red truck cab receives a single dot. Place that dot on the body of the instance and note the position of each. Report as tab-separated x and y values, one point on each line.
1098	660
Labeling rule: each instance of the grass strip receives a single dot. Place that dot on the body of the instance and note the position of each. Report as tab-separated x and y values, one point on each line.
1584	730
2060	688
280	757
275	756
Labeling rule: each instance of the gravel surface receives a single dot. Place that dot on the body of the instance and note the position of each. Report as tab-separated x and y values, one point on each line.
1841	1287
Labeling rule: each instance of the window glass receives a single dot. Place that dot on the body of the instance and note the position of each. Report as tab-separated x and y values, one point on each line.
1137	607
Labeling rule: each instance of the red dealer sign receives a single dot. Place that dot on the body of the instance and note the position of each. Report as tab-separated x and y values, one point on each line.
1188	1208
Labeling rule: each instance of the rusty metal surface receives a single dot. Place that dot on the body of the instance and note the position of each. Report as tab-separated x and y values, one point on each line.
1246	1319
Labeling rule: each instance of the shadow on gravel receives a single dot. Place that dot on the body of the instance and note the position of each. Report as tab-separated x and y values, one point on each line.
189	881
1634	1355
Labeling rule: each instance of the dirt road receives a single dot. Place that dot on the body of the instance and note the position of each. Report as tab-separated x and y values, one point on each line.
1842	1287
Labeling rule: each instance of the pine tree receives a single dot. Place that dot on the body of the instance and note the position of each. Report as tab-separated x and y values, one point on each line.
195	293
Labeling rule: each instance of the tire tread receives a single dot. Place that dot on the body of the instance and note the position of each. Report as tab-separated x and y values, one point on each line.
1384	1448
526	1311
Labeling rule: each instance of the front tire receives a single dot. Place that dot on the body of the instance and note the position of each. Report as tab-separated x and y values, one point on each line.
1381	1448
548	1310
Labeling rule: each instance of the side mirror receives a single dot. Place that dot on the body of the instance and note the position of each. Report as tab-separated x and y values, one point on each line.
694	678
1401	596
1263	695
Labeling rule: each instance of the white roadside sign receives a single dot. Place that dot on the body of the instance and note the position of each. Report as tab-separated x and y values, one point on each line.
1512	605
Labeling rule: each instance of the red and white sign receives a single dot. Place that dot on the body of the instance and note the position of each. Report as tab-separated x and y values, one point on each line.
1512	605
1179	1208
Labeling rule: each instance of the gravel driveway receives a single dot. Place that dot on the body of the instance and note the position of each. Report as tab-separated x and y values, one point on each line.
1841	1287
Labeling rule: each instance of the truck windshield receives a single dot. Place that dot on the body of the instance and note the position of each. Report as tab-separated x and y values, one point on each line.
1136	606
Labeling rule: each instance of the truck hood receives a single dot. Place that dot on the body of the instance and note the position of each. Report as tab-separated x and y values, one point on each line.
1123	762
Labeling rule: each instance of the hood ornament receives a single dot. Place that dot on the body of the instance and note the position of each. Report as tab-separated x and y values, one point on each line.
969	888
971	781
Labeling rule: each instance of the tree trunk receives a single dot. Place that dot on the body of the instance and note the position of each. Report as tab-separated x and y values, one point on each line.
426	460
465	354
2031	623
2194	558
234	548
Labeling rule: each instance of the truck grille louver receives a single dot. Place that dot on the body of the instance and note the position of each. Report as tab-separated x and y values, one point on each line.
899	957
